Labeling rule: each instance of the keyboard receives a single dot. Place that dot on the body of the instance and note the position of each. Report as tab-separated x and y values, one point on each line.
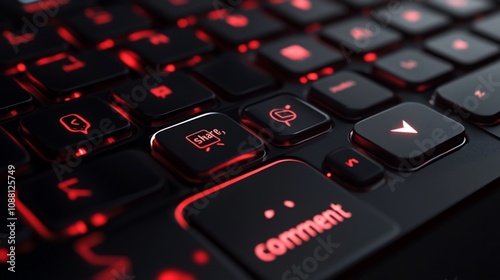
243	139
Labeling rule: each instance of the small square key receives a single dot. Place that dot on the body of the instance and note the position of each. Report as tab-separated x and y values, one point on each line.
172	96
14	99
242	27
201	148
351	95
462	48
286	120
234	77
299	55
97	24
302	12
488	26
413	19
413	69
353	168
408	136
361	35
462	9
171	10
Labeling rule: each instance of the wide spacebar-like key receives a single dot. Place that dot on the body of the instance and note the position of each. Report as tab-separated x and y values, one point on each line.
288	221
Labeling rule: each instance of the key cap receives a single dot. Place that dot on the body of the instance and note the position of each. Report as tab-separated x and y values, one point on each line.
355	169
304	12
14	100
462	48
202	147
171	10
242	27
166	98
59	199
63	74
351	95
474	96
408	136
17	46
489	27
286	120
462	9
234	77
12	152
298	55
74	129
413	19
303	221
413	69
361	35
97	24
46	8
166	46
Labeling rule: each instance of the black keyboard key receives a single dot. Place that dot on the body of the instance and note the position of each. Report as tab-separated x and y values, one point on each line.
168	97
172	10
202	147
166	46
14	100
45	8
63	74
299	211
60	199
353	168
286	120
234	77
489	27
413	19
74	129
413	69
462	9
242	27
12	153
351	95
299	55
408	136
360	35
474	96
462	48
306	12
17	46
97	24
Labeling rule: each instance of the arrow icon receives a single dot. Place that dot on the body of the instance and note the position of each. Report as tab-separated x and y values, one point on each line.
405	129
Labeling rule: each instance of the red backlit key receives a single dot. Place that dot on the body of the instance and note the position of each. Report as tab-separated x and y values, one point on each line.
462	48
462	9
45	8
408	136
360	35
14	100
74	129
489	27
12	153
286	120
412	19
475	96
17	46
351	95
242	27
353	169
234	77
171	10
165	98
298	55
290	214
305	12
413	69
206	147
63	74
97	24
167	46
91	190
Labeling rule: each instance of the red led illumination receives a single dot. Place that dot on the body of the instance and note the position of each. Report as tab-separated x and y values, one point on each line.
205	139
284	115
170	68
98	15
73	193
460	45
74	65
3	255
98	219
351	162
237	21
458	3
269	214
406	128
178	2
480	94
295	52
312	76
342	86
75	123
40	5
161	91
182	23
254	44
361	33
130	59
106	44
408	64
77	228
370	57
18	39
201	257
303	5
411	16
81	152
175	274
68	37
242	48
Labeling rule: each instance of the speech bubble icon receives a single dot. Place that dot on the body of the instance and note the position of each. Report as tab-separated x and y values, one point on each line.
75	123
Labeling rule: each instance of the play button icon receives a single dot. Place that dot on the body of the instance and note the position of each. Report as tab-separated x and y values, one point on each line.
405	129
